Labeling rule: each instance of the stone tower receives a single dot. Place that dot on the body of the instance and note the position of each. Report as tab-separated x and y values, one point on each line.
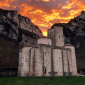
56	34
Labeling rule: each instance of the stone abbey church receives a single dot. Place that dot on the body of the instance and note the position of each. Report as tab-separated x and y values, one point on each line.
49	57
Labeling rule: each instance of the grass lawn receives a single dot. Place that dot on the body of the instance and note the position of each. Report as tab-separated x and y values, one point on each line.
42	80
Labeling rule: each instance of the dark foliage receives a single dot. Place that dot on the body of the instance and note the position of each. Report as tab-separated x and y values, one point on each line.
9	53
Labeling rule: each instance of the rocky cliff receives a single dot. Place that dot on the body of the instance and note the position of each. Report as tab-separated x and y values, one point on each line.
17	28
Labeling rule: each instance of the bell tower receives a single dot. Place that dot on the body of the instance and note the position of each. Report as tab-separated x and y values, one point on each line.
56	34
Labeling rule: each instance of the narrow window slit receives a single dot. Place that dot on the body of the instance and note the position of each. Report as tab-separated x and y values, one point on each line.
45	53
45	71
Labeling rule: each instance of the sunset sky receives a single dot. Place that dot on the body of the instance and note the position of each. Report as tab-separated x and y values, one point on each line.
44	13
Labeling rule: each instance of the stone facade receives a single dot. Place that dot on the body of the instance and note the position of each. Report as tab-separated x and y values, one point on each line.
44	41
49	57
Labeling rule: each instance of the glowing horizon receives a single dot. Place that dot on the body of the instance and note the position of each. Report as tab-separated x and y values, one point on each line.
44	13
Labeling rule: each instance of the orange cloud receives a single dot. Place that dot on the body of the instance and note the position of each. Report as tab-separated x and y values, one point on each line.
4	3
44	13
46	0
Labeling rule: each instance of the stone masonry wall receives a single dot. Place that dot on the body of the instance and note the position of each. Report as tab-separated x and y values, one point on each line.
24	59
45	52
35	62
70	62
45	41
38	63
59	37
31	62
74	65
51	35
57	62
65	62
